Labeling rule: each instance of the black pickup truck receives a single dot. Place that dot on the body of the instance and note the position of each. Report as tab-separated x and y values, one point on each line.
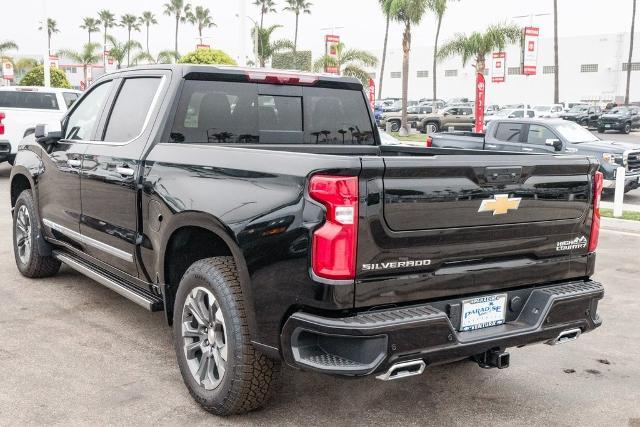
550	136
259	210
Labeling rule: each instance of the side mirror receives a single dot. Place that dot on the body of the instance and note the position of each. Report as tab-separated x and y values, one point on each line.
511	116
445	113
47	136
555	143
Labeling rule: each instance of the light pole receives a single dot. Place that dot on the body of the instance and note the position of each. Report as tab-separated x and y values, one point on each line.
46	64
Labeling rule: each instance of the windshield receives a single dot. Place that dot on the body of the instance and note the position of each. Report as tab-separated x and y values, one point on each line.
578	109
542	108
619	110
574	133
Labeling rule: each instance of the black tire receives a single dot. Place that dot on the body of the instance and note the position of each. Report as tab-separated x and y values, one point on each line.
11	159
249	377
436	126
395	125
600	130
627	128
26	232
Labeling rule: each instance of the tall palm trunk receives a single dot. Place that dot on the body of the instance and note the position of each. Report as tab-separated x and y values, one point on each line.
406	48
49	44
177	23
633	25
435	62
384	57
556	71
147	38
89	37
128	50
480	65
104	47
295	36
84	72
261	17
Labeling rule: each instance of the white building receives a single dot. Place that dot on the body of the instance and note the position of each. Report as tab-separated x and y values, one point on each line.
592	68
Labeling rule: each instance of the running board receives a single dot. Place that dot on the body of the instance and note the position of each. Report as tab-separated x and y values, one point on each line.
144	299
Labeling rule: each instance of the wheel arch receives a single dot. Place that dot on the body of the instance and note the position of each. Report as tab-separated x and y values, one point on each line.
21	180
216	239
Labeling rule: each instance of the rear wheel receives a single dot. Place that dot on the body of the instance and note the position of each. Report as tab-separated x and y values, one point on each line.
222	370
431	127
26	232
395	125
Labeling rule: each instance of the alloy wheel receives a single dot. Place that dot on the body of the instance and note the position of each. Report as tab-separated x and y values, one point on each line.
23	234
204	338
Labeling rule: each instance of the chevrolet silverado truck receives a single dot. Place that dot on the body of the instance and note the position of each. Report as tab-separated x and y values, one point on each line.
261	213
23	107
551	136
457	118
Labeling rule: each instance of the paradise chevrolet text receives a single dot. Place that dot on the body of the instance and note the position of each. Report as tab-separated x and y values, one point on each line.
259	210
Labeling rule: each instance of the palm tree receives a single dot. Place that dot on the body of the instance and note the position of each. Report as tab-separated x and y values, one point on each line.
179	10
201	18
266	48
86	57
439	7
164	57
348	62
92	25
298	7
121	50
52	28
7	45
407	12
23	65
384	4
147	19
266	6
479	45
108	20
556	71
131	23
633	25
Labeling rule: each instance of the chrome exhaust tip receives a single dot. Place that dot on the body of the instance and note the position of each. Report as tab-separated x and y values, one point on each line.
566	336
403	370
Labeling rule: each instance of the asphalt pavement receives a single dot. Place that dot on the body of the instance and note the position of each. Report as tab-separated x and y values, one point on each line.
75	353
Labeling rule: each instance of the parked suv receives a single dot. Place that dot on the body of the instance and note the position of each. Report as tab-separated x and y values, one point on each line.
584	115
414	116
622	119
459	118
261	213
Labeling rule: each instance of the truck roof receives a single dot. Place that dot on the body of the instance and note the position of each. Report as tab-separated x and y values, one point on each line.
266	75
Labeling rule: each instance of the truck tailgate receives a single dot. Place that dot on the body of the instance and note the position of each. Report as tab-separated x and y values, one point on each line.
451	225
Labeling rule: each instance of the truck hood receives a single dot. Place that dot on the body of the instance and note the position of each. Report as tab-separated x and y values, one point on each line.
614	147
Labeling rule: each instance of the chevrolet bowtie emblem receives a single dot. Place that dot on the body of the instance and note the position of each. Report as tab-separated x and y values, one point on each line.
500	204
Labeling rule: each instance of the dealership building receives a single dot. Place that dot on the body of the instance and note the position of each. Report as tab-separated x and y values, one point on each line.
592	68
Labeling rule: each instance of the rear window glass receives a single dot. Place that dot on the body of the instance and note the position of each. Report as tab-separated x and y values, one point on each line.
231	112
32	100
509	132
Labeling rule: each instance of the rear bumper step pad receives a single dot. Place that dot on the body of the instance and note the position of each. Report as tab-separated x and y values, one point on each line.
371	342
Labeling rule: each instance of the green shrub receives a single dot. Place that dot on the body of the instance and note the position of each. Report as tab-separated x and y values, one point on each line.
207	56
35	77
300	61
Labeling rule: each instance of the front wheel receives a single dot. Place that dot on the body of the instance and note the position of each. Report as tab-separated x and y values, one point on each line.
395	125
627	128
220	367
26	233
600	130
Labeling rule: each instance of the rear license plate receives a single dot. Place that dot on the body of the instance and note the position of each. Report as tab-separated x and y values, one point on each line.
483	312
607	126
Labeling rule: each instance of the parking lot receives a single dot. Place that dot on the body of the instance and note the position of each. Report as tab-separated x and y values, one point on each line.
73	352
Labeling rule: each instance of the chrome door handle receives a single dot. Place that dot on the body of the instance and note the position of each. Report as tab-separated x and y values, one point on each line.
491	146
124	171
527	149
74	163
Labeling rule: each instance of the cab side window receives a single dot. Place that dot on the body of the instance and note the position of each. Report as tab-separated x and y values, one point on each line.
82	123
538	135
509	132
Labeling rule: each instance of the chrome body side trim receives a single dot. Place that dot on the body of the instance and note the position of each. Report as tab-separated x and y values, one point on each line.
89	241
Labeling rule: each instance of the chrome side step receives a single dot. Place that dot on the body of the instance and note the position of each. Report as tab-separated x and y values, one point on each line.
403	370
144	299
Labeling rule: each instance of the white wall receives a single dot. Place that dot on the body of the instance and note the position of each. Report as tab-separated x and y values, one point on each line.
608	51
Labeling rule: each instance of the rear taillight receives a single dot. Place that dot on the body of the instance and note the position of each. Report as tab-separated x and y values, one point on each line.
2	116
429	141
595	221
333	253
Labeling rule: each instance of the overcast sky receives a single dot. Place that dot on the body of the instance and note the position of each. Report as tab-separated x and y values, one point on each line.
362	21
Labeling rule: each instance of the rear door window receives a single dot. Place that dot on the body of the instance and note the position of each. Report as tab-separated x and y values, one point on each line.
538	135
509	132
131	108
30	100
231	112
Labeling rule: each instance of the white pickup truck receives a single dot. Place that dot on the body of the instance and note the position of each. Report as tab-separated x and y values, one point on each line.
23	107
